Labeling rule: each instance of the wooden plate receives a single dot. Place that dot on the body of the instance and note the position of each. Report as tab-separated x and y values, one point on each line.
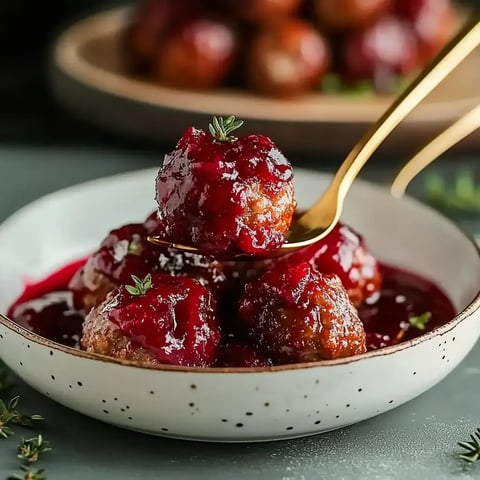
90	78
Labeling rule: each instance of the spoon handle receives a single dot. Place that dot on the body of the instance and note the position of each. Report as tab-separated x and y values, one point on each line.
451	56
440	144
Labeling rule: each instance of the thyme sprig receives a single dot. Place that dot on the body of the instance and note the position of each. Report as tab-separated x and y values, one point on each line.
140	287
472	448
9	414
29	450
420	321
462	195
28	474
221	129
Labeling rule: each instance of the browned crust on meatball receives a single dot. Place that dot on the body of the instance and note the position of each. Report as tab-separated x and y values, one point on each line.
100	335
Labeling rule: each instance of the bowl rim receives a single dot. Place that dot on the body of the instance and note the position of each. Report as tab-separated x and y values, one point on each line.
464	314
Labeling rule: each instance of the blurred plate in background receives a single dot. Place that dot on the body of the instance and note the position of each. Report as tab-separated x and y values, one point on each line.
90	78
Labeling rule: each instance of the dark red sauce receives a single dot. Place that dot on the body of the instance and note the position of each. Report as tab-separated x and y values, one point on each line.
56	281
403	295
50	312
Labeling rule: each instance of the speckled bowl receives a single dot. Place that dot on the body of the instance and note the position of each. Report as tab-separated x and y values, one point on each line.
234	405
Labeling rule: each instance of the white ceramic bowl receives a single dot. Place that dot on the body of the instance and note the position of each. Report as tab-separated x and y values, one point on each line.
237	404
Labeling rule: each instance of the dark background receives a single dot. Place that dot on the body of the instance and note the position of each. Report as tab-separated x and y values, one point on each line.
27	112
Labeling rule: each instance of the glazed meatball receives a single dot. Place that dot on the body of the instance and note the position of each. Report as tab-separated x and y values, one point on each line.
381	53
343	253
225	195
156	320
349	14
198	54
288	59
151	23
300	315
434	23
124	252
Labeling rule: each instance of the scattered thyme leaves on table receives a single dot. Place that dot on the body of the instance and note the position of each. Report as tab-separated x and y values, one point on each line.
461	195
472	448
28	473
9	414
31	449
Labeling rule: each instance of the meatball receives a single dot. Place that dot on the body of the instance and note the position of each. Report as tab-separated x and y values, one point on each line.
157	320
349	14
288	59
152	20
198	54
225	195
300	315
380	53
434	23
124	251
343	253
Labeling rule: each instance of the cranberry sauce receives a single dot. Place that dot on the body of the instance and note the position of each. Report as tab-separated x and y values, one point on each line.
46	308
55	282
52	316
387	319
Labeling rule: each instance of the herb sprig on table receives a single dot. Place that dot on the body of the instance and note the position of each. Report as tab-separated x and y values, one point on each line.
472	448
460	195
28	473
29	450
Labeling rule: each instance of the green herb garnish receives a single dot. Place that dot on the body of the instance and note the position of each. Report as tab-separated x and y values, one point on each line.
472	448
31	449
463	194
134	248
221	129
333	84
28	474
420	321
10	415
140	287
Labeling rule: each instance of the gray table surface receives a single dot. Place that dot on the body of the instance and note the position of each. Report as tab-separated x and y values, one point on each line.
415	440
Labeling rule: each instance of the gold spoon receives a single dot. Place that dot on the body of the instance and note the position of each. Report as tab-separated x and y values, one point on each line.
440	144
320	219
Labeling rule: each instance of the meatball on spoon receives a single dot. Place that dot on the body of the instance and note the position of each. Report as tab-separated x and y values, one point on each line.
320	219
